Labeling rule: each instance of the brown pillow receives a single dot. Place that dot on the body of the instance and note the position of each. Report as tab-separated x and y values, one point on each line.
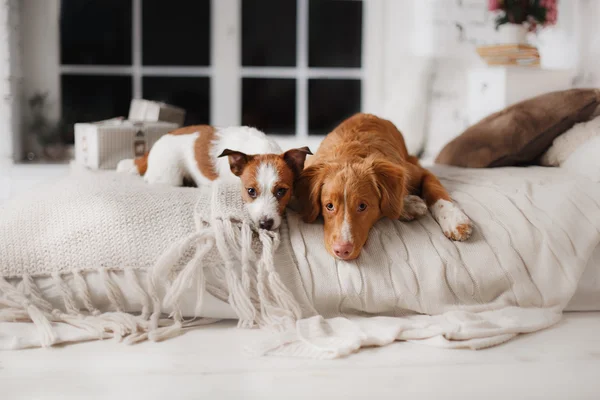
521	133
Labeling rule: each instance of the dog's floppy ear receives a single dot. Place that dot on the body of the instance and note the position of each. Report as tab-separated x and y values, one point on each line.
308	191
295	158
237	160
391	182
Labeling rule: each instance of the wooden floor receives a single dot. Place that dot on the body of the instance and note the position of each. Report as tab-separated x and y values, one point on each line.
559	363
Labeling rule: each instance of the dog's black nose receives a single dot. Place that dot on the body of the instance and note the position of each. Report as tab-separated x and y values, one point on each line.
266	224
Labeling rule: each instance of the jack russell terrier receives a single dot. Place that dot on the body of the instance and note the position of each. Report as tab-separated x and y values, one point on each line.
197	153
361	173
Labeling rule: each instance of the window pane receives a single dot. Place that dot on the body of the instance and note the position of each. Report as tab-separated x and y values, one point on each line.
269	33
269	104
335	33
95	32
330	101
191	94
88	98
176	32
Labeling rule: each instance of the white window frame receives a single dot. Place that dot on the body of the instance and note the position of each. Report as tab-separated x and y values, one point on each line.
225	70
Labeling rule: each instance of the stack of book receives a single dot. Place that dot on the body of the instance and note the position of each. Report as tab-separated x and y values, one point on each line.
510	54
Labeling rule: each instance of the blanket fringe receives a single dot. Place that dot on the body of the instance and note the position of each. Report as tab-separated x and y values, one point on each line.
23	301
66	294
12	294
239	299
134	283
278	305
255	290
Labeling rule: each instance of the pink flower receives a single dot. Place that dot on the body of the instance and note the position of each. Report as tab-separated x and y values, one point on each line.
494	5
551	7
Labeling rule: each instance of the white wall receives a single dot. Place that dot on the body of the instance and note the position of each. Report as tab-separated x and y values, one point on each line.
40	58
453	52
10	81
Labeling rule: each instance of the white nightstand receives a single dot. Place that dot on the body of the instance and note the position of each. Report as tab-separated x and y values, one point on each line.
491	89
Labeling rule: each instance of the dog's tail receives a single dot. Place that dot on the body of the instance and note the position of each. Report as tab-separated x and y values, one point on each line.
136	166
142	163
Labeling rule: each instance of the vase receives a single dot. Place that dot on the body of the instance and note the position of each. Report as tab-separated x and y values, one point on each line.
511	34
557	50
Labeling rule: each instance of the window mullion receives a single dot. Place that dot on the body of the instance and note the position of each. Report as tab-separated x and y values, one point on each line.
136	48
302	69
225	87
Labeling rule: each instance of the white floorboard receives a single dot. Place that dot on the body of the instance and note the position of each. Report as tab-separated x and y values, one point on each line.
559	363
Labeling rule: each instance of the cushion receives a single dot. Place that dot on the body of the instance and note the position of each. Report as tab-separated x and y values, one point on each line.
521	133
564	145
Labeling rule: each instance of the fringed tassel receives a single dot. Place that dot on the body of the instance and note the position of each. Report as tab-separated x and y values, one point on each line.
134	283
164	267
156	306
84	292
41	321
278	304
32	290
194	270
239	299
167	332
248	258
115	297
66	294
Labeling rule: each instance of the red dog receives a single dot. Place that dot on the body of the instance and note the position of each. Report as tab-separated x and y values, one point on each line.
361	173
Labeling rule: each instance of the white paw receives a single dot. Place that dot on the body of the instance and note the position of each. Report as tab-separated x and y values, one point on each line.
414	207
127	166
455	224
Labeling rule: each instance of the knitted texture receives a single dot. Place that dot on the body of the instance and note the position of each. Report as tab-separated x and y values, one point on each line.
535	229
108	223
92	220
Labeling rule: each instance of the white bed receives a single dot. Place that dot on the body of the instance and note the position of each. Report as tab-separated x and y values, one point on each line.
557	363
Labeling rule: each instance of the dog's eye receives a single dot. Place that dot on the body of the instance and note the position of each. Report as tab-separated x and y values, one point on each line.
362	207
280	192
329	206
251	192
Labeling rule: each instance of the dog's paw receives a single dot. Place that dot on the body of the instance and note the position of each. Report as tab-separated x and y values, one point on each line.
414	207
455	224
127	166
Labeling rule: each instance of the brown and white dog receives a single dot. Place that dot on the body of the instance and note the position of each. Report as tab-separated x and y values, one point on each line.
198	153
361	173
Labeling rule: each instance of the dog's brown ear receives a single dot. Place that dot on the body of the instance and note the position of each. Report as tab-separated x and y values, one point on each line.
237	160
391	181
308	191
295	158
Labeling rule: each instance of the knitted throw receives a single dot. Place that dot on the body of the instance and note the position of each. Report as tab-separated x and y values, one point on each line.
110	223
535	229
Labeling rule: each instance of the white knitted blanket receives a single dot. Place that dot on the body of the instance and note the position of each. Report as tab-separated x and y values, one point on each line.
535	230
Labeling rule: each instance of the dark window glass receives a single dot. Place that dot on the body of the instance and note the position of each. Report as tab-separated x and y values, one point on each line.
95	32
330	101
269	33
89	98
191	94
269	104
176	32
335	33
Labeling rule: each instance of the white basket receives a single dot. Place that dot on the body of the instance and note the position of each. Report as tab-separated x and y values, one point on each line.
152	111
101	145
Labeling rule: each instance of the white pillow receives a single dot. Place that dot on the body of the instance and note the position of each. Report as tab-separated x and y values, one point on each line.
585	160
565	145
